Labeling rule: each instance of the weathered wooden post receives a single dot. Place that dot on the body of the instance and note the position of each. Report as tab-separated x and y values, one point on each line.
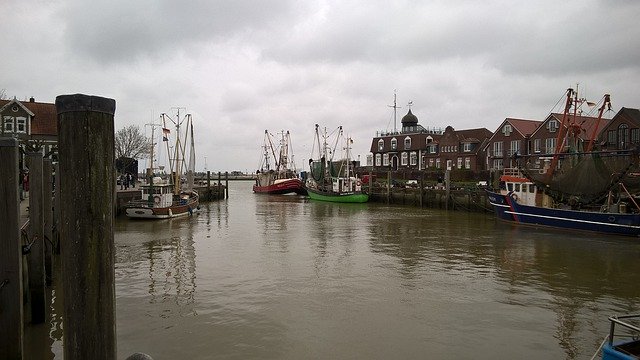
226	184
219	185
47	188
56	209
421	188
11	311
370	182
209	185
388	186
35	259
86	148
447	184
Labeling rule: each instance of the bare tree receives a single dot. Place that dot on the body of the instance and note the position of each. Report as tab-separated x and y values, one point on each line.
131	143
3	94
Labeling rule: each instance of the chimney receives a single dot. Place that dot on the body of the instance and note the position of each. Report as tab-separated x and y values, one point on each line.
32	99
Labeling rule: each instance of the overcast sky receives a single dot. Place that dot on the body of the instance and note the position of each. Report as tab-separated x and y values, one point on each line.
243	66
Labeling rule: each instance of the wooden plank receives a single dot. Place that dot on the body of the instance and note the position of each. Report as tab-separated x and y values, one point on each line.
11	310
35	258
47	216
87	185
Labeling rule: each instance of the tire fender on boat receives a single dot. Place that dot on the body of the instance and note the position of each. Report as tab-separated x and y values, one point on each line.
514	196
156	199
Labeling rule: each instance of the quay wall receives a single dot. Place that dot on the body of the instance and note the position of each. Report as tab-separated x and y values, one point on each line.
474	200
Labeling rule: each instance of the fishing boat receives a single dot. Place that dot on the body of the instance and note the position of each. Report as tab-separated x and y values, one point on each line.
332	179
627	344
572	188
176	196
281	177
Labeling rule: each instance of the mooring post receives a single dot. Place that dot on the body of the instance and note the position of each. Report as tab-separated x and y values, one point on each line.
47	188
421	187
219	185
388	186
56	209
11	310
447	184
370	182
86	152
35	258
226	184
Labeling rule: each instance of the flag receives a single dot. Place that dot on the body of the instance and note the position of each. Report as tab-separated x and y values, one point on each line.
164	138
165	134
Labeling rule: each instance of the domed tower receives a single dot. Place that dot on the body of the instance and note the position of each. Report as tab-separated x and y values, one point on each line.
409	122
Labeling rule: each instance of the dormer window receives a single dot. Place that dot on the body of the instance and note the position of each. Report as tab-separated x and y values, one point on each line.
380	145
429	139
407	143
552	125
507	130
394	144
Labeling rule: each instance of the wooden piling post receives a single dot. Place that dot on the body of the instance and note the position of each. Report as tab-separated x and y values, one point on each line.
388	186
11	310
447	184
86	147
219	185
47	188
56	209
35	259
421	188
226	184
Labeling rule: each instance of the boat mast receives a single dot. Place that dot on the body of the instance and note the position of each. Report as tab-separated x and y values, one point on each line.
605	104
395	108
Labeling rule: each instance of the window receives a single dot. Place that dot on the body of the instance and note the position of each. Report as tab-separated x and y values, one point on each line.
459	163
467	163
380	145
438	163
369	160
536	145
394	144
413	158
378	159
552	125
623	136
611	137
507	129
407	143
430	162
404	158
635	136
515	147
8	124
21	124
497	164
431	149
449	164
550	145
497	148
466	147
429	139
385	160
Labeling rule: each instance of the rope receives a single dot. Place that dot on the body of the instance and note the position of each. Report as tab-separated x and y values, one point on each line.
3	283
26	249
599	347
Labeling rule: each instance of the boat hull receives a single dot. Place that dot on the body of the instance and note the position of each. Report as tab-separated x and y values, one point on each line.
291	186
146	212
349	197
508	209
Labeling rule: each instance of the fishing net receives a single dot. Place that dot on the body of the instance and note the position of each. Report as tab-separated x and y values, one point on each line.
317	170
583	176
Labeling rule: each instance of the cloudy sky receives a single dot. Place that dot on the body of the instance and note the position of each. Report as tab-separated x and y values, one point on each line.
243	66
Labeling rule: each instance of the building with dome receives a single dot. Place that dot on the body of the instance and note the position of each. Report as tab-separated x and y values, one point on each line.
415	147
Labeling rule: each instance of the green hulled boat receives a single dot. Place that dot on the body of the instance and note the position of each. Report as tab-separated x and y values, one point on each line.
334	180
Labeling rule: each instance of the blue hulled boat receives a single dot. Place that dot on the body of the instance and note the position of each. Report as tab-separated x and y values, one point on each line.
627	345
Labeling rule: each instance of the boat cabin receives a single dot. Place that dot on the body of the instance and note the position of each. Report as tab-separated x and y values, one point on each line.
341	184
161	195
522	189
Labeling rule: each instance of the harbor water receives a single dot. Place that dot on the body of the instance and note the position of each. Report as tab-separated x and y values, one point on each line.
284	277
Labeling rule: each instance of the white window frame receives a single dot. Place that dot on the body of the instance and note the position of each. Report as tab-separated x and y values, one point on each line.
438	163
466	147
380	145
467	163
21	122
497	149
404	159
394	144
407	143
378	159
536	145
459	163
550	145
385	160
507	129
413	158
9	124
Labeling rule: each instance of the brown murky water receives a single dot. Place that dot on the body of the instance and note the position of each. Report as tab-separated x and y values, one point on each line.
281	277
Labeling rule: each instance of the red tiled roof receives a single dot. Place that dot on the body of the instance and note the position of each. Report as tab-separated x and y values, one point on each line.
525	127
587	123
45	119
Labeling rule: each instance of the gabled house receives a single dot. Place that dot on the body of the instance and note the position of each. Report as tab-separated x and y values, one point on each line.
458	149
622	131
544	139
510	138
33	123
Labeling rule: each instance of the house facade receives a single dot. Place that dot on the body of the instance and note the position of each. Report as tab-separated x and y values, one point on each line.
458	149
403	149
622	131
33	123
510	138
544	139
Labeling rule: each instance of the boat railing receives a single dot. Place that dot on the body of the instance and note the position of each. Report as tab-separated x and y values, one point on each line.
618	320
